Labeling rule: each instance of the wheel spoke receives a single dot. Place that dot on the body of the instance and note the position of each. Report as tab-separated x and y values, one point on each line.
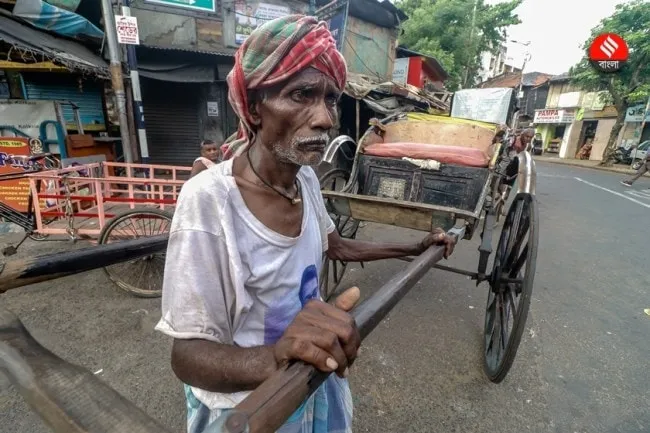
514	230
521	260
511	300
502	323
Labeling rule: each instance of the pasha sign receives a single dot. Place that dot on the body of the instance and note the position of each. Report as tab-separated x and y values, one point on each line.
554	116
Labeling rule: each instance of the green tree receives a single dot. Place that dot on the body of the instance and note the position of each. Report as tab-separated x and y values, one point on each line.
454	34
630	85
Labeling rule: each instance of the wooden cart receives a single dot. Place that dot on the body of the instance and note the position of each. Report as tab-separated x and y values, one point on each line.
91	201
396	191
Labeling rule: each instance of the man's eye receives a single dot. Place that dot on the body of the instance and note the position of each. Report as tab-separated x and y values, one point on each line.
299	95
331	99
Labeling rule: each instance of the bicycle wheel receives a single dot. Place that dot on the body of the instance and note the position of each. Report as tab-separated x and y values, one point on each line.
142	277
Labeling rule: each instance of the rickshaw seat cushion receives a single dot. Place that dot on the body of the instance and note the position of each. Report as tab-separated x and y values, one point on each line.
456	155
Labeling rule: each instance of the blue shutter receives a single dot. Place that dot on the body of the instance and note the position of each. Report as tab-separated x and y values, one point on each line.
89	100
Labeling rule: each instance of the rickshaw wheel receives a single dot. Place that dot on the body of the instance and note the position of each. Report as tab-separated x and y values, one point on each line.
332	271
142	277
511	286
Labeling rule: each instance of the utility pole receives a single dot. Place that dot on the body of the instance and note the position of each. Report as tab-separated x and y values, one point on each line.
471	36
116	77
138	109
515	118
646	113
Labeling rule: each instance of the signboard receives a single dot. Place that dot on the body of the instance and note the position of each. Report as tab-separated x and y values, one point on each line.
337	27
213	109
249	16
14	193
199	5
570	99
401	70
26	115
554	116
127	30
635	114
486	105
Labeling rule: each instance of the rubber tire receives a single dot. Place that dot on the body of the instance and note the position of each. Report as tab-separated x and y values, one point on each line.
103	236
526	295
637	165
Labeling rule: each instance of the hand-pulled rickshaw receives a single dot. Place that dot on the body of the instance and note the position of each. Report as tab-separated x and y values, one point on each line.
91	201
414	171
420	171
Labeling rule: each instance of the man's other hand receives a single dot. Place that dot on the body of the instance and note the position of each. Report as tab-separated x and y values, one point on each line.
439	237
323	335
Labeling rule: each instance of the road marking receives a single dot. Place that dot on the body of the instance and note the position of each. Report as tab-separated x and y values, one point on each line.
553	176
614	192
639	194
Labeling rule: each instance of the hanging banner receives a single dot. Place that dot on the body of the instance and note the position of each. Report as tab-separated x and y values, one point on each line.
486	105
60	20
26	115
14	193
127	30
249	16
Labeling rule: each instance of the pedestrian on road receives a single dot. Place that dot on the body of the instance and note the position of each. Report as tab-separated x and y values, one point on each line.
645	167
241	286
209	157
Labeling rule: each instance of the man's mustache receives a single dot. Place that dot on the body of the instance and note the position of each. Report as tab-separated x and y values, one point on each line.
322	139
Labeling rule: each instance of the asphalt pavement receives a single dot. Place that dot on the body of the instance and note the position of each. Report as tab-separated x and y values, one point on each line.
583	364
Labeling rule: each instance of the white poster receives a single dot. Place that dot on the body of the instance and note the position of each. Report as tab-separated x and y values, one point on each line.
213	109
401	70
486	105
249	16
127	30
26	116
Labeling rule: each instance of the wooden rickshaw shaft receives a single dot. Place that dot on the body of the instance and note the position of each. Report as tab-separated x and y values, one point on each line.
275	400
22	272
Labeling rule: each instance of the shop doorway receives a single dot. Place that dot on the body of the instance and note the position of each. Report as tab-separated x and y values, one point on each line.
586	139
555	142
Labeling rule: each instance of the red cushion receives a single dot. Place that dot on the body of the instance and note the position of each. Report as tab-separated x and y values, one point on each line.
457	155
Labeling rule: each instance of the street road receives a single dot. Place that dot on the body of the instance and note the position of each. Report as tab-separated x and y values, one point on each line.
582	366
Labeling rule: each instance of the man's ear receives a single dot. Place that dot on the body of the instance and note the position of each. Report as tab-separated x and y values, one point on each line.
254	111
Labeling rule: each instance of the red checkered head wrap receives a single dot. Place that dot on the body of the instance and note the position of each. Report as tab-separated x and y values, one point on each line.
273	53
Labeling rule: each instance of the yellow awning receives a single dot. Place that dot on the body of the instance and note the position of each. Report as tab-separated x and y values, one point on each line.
40	66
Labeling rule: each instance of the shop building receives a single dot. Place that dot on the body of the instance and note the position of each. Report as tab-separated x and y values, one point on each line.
632	133
573	118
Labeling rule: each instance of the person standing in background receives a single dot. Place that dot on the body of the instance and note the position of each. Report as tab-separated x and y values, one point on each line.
209	157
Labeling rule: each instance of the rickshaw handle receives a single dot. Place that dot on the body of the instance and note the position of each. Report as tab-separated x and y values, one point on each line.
275	400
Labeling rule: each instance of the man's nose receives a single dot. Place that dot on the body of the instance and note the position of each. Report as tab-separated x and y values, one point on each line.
323	116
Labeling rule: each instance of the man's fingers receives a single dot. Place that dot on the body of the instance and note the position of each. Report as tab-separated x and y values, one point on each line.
321	349
345	330
348	299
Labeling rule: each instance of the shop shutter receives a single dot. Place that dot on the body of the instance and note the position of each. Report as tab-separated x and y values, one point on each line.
172	121
88	98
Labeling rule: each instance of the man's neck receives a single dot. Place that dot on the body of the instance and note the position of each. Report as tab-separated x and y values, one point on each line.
278	173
